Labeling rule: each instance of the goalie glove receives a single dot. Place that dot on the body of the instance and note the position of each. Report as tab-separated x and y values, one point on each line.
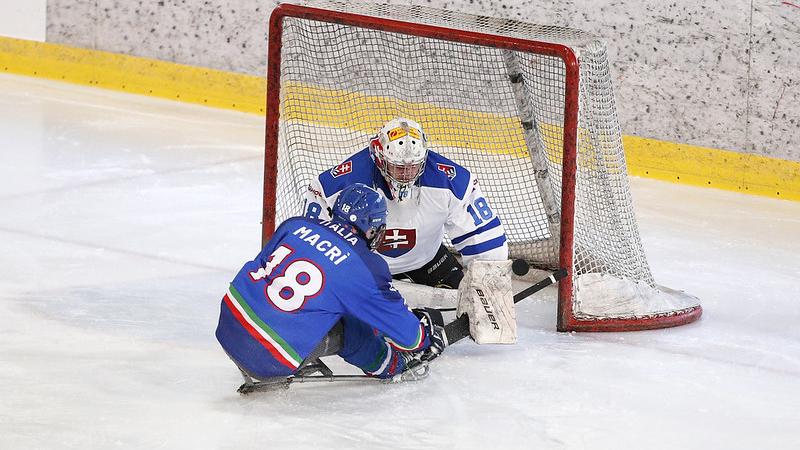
431	319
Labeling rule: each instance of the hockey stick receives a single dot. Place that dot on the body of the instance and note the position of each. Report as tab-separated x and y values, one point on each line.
459	328
284	382
281	383
319	372
520	267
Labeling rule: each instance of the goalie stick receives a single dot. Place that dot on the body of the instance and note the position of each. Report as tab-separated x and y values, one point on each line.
459	328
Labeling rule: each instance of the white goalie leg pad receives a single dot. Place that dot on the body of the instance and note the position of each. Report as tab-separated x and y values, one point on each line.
486	296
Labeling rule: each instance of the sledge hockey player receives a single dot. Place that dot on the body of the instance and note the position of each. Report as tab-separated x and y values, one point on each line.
429	194
316	289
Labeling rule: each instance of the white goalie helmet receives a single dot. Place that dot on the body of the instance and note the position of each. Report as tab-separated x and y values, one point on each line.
399	151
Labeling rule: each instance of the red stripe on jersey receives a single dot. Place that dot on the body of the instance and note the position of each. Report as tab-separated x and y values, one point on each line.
393	368
268	345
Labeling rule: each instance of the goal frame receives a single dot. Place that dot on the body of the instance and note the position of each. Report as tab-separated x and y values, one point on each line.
566	320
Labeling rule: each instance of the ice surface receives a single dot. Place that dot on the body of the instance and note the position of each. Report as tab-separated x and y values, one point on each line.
123	218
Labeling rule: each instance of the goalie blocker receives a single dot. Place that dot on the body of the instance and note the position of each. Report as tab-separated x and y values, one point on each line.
486	297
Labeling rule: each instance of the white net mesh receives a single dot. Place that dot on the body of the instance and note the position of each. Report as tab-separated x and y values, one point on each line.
340	83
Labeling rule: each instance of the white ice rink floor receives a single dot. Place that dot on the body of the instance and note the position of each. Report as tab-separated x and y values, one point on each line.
123	218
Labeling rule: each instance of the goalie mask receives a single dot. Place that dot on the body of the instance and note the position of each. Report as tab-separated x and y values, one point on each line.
399	151
364	208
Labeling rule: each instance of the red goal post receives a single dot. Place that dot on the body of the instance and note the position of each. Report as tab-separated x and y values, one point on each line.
550	141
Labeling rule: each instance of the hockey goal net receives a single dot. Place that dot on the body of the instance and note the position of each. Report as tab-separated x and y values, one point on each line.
530	109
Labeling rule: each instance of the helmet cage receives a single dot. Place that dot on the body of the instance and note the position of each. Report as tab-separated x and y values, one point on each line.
399	152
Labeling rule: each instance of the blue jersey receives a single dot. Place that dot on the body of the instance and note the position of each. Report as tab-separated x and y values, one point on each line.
310	275
446	200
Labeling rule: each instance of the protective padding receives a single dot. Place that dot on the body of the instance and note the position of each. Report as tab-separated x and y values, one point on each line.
486	296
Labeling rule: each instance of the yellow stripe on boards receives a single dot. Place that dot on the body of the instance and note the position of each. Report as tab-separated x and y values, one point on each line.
649	158
133	74
708	167
447	127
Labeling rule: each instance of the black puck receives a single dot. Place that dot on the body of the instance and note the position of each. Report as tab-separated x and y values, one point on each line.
520	267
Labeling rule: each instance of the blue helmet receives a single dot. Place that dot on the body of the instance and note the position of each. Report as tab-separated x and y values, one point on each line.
365	208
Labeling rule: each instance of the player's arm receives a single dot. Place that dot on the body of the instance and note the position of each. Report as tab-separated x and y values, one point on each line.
371	298
420	332
474	228
315	204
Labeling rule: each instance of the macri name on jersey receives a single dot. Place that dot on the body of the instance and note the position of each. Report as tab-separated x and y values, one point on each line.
330	251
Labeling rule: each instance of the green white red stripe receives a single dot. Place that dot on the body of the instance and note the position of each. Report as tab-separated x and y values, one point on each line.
260	331
417	344
379	365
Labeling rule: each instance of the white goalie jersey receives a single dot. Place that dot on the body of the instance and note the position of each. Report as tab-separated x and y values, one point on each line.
446	199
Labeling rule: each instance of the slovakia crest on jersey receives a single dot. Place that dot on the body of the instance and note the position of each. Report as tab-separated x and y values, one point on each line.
342	169
398	242
448	170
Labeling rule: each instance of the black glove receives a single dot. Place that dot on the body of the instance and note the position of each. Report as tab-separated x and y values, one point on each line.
431	319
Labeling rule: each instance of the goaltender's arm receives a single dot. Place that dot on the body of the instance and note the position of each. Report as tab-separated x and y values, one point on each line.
315	204
474	228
